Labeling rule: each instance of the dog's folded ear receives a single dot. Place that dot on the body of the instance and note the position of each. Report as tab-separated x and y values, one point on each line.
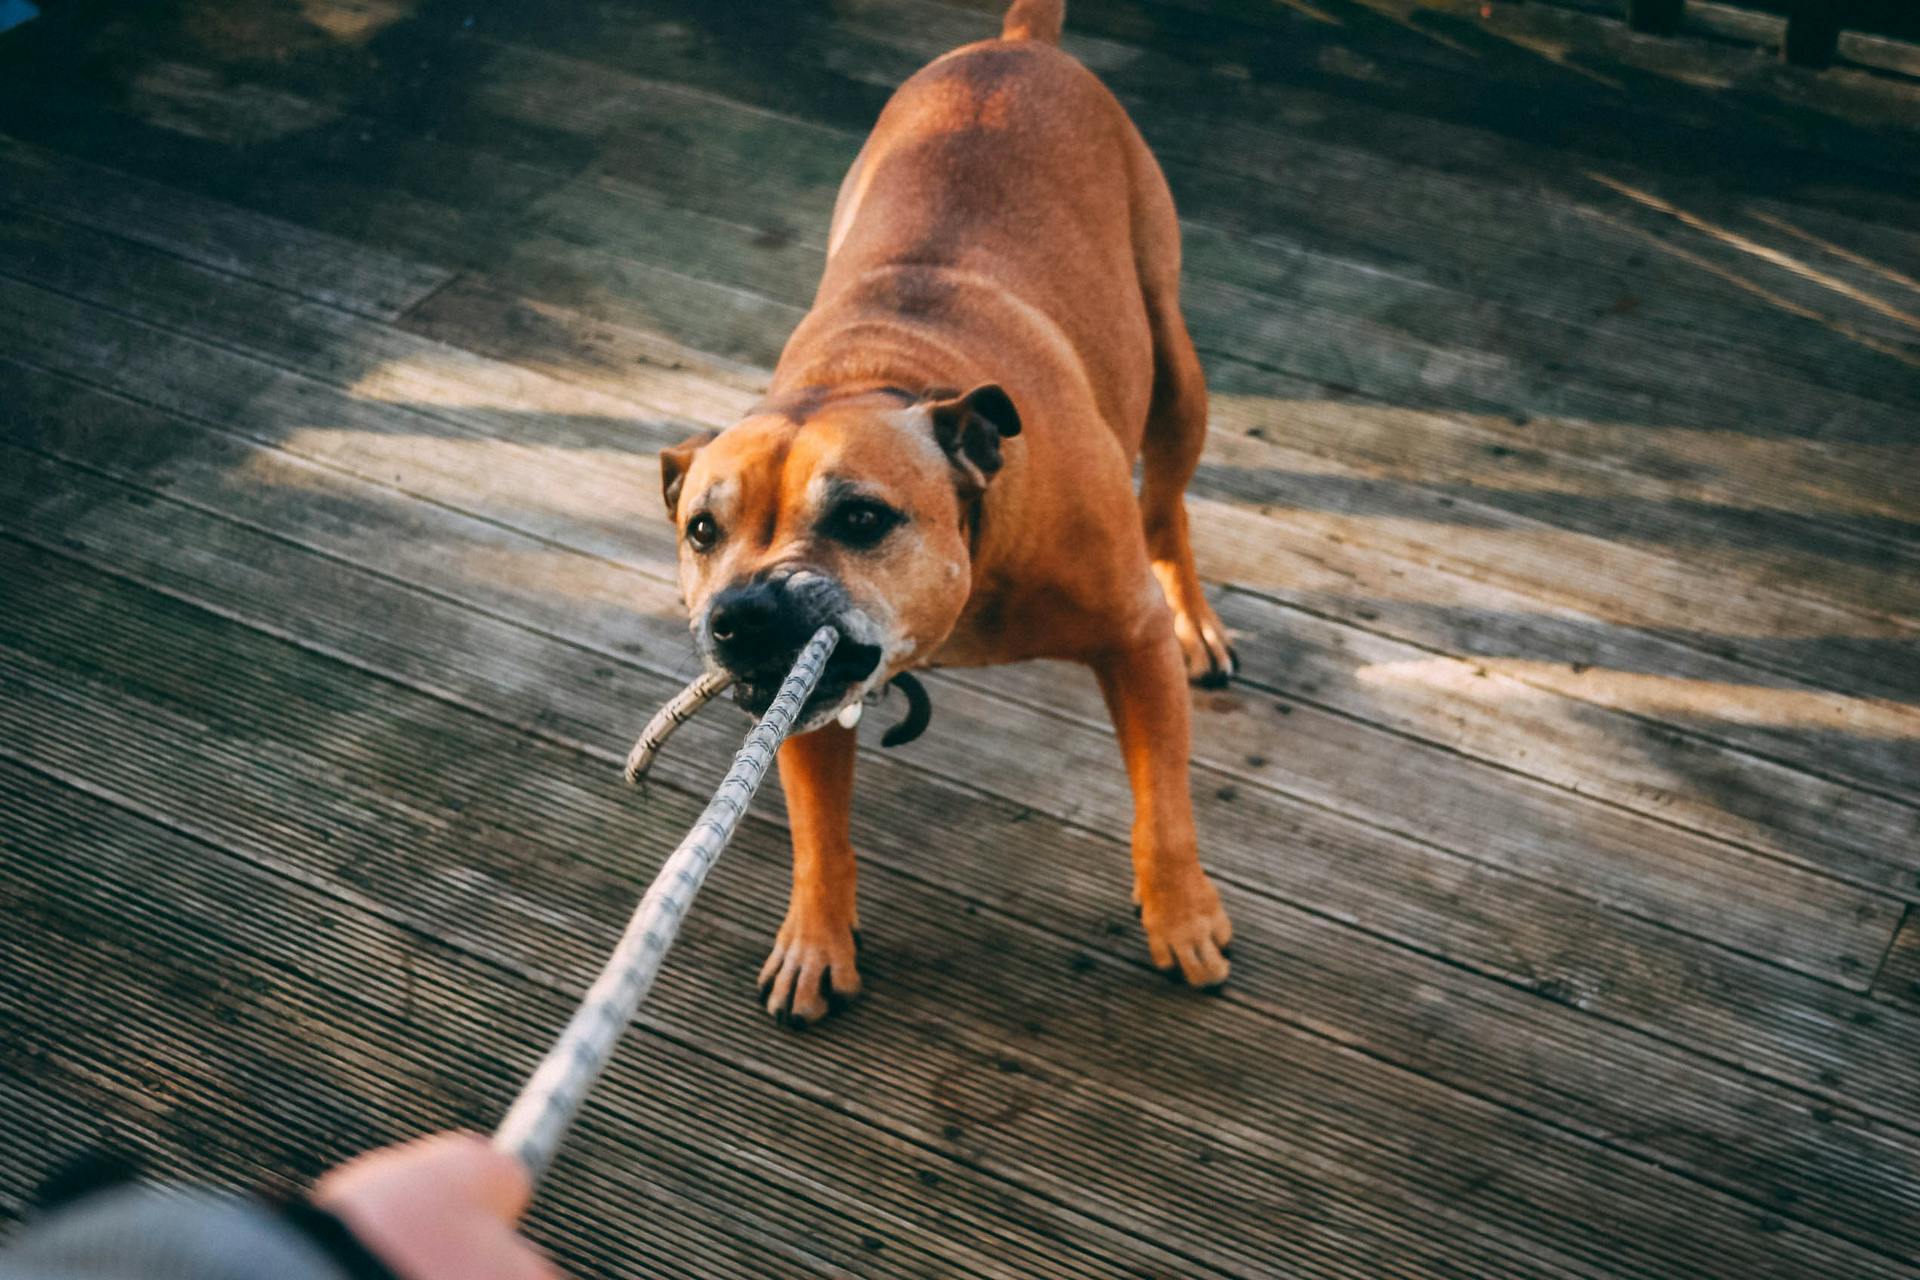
674	462
970	427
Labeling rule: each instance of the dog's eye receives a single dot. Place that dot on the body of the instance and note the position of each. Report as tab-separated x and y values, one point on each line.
861	522
702	532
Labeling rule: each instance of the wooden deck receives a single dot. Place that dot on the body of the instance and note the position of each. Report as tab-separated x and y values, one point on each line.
1562	490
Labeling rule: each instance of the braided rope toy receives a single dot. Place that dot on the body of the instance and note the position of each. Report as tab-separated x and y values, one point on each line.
682	707
686	704
540	1116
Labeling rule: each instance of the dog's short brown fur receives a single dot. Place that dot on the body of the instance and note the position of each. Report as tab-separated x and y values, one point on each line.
943	467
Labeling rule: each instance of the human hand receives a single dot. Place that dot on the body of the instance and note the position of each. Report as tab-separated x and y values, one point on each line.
438	1208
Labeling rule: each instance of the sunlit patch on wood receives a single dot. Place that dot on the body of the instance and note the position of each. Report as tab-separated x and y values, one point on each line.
602	485
1659	697
191	100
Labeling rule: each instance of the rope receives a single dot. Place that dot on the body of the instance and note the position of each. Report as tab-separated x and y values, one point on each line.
684	706
540	1116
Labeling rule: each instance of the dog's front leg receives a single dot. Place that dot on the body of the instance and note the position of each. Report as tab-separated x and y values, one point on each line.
1145	686
812	964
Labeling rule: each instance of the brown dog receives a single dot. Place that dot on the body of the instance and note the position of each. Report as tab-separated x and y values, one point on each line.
943	468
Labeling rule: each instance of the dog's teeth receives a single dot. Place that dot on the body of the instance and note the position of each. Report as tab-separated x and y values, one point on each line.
850	715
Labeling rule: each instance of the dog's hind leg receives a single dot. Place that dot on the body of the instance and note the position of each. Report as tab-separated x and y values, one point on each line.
1176	432
1187	929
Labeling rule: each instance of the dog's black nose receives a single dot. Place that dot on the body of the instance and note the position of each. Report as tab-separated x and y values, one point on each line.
740	614
750	626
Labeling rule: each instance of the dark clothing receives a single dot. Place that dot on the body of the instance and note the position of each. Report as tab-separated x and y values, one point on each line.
139	1233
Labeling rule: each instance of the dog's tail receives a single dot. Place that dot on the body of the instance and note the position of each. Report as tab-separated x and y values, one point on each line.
1035	20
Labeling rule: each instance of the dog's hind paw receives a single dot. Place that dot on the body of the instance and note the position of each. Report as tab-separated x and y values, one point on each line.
1211	661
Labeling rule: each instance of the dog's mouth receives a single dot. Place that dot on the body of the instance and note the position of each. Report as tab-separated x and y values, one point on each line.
847	671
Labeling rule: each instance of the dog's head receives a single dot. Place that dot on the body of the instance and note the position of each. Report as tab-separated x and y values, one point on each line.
852	510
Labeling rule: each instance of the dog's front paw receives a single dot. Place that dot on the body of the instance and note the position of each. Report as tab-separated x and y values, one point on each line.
1187	930
811	971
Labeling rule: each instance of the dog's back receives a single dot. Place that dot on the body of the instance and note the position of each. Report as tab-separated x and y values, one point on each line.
1002	189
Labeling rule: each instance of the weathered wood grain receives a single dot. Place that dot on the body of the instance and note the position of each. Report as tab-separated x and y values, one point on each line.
1530	1066
953	1090
1899	979
321	715
784	203
1408	350
264	580
1799	577
431	1036
1871	655
1162	90
1566	809
287	256
1866	824
1342	575
611	489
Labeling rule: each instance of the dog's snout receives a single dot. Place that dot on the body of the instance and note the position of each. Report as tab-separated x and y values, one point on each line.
743	615
754	625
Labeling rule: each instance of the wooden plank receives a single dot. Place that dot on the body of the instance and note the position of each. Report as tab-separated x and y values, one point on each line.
1673	876
1866	657
1495	540
322	267
621	494
1848	570
351	1029
326	716
949	1068
1347	99
1668	104
743	179
1333	866
609	214
1843	553
261	567
1899	979
1323	572
334	183
783	261
1790	572
1868	825
887	39
649	221
1746	1181
1301	177
736	402
1678	990
1697	494
1472	707
1348	579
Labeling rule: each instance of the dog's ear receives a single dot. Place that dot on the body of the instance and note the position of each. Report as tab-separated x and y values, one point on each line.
674	462
970	428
